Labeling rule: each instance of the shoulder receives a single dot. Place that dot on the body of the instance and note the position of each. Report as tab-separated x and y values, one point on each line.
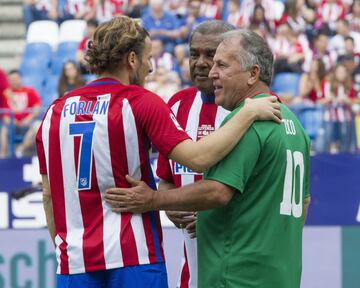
187	94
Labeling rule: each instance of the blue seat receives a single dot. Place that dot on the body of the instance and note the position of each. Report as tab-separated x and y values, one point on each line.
34	67
52	83
48	97
38	50
67	50
286	83
312	120
57	65
34	81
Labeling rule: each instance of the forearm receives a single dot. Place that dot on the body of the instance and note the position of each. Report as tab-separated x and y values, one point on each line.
202	195
164	185
47	203
201	155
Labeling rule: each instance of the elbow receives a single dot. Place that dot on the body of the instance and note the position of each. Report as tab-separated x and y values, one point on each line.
199	164
222	194
307	201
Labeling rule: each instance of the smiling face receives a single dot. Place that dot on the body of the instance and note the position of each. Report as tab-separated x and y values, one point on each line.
202	51
230	81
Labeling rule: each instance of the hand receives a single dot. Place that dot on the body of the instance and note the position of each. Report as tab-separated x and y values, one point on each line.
191	229
137	199
181	219
266	108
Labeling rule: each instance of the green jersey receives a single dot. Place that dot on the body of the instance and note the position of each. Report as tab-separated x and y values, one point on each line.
256	240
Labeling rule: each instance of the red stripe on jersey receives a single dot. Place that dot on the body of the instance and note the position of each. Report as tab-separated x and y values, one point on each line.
146	217
92	218
57	186
93	238
185	275
120	169
127	241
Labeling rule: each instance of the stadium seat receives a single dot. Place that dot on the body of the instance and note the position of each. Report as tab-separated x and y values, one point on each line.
57	65
38	50
44	31
286	83
72	30
49	96
36	81
34	67
52	83
67	50
312	119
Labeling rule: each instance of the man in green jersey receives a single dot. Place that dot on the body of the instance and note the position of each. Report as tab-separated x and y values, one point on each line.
257	196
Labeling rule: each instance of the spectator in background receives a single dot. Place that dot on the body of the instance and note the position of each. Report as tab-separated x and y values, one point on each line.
329	12
337	97
3	85
259	22
70	78
161	58
211	9
271	7
354	16
161	24
91	26
320	51
164	83
288	50
25	103
310	83
74	9
105	10
191	19
337	43
35	10
234	14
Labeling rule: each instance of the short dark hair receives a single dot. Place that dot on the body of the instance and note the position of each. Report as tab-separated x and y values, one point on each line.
211	27
92	22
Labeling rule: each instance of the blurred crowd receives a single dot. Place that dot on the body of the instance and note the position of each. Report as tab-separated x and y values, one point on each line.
316	44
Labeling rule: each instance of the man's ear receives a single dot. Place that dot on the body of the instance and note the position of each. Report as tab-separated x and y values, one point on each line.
132	59
254	75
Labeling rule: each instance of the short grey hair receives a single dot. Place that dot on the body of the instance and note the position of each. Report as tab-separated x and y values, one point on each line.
255	51
212	27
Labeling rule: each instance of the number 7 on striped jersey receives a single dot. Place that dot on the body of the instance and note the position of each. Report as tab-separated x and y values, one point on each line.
86	131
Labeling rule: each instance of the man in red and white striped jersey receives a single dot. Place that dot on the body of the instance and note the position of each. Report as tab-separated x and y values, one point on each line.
92	137
197	113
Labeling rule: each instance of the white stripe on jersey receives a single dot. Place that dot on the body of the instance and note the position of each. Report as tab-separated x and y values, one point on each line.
221	113
74	236
45	136
105	179
191	252
175	108
192	125
133	160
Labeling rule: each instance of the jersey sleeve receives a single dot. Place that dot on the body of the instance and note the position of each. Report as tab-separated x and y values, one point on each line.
237	167
159	123
40	151
163	170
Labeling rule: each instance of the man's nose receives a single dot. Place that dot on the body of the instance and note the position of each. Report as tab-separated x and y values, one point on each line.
213	73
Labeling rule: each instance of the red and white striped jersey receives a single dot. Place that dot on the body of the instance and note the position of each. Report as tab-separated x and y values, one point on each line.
88	141
199	116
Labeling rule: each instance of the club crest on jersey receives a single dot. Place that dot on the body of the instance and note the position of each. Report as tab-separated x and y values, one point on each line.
83	182
183	170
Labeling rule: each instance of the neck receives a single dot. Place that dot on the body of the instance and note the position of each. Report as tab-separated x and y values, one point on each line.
122	77
258	88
